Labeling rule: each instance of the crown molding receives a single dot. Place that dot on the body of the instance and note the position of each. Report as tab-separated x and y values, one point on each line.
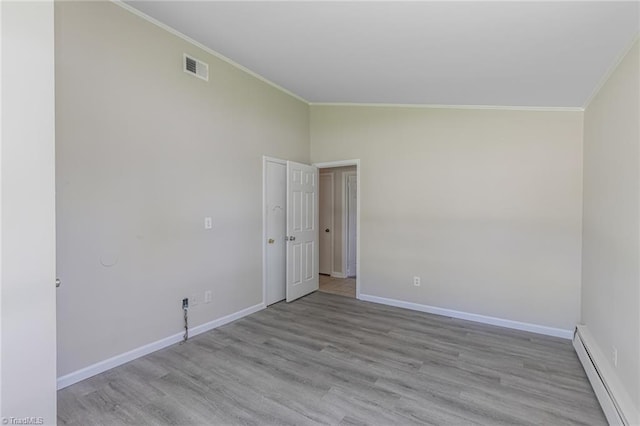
435	106
611	70
220	56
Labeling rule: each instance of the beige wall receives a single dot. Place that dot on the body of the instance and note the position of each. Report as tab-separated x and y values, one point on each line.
611	236
338	214
27	226
144	153
483	205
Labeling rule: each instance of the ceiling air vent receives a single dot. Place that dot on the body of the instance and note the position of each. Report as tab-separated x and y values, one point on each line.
195	67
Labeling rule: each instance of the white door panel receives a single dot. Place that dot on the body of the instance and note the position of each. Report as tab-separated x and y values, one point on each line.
276	223
302	230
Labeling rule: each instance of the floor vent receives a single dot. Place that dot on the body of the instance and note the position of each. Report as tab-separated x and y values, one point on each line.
589	356
196	67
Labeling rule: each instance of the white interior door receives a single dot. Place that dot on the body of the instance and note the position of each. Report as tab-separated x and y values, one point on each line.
325	206
276	222
352	206
302	230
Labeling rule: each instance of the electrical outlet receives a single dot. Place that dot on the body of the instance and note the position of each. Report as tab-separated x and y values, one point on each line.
416	281
208	223
207	296
615	356
185	303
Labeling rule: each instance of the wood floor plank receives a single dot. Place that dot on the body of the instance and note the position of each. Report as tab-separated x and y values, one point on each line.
330	359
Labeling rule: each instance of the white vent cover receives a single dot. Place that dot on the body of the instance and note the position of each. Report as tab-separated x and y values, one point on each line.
195	67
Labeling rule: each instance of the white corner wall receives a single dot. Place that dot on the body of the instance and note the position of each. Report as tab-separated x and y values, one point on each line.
144	153
27	214
611	236
484	205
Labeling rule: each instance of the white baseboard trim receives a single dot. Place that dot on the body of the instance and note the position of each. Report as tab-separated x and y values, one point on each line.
107	364
616	403
335	274
533	328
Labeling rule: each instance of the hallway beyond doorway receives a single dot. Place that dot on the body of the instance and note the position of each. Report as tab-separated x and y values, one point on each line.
340	286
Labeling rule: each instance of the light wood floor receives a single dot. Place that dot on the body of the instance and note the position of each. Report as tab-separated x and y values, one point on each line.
328	359
340	286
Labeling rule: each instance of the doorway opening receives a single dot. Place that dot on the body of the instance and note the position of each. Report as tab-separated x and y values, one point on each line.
338	207
292	230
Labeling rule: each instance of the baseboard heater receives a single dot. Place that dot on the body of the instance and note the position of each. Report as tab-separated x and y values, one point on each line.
589	356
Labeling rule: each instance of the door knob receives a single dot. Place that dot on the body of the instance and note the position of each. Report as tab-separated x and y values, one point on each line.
58	282
271	241
326	230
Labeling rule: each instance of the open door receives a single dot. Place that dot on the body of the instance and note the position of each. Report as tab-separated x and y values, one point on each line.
302	230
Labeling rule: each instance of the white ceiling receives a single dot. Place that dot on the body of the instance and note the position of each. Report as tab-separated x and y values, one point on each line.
540	54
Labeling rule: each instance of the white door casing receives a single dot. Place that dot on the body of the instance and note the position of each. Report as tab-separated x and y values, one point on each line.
326	231
352	196
302	230
275	223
